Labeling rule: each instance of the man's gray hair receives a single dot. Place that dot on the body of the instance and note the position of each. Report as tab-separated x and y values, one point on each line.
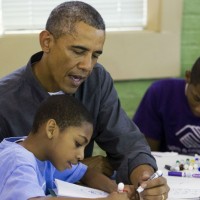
63	18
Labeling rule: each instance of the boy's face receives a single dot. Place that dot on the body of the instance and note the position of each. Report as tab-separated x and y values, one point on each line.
193	96
192	93
68	146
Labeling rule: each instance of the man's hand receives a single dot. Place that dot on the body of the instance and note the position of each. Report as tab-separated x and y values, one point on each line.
100	164
153	189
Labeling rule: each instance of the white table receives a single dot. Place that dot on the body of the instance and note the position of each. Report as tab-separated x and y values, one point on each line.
181	188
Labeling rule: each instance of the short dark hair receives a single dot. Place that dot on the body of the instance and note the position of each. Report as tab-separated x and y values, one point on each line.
195	73
63	18
65	110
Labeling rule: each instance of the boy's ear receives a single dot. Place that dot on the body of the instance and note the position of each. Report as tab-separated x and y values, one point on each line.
187	76
51	128
45	41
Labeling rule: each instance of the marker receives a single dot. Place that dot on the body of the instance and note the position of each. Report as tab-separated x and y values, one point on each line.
153	176
170	168
184	174
120	187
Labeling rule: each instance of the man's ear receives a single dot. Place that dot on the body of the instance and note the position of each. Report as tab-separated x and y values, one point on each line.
187	76
51	128
45	41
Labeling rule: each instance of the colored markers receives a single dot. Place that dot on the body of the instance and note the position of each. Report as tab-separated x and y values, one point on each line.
170	168
184	174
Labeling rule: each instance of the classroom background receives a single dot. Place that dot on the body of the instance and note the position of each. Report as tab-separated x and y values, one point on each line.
131	92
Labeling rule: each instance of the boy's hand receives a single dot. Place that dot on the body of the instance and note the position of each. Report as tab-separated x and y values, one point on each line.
118	196
131	192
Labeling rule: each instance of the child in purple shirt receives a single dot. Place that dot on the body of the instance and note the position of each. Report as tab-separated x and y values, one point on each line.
169	113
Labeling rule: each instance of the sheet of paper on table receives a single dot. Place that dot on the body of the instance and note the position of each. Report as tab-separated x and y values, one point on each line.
181	188
73	190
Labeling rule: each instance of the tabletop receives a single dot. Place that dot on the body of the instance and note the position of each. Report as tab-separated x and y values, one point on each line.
181	188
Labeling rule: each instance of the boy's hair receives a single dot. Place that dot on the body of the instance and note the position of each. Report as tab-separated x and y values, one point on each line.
63	18
65	110
195	73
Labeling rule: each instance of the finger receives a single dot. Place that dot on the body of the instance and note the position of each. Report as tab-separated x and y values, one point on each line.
154	183
159	197
156	192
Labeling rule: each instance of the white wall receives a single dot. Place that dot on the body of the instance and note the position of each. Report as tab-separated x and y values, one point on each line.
152	53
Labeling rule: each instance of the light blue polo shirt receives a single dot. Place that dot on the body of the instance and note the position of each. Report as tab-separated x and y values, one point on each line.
23	176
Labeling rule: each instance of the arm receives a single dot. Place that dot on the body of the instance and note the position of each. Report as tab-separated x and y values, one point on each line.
154	144
91	178
123	142
113	196
100	164
125	145
148	117
26	179
99	181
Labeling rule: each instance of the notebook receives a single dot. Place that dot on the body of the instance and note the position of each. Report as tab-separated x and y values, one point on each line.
72	190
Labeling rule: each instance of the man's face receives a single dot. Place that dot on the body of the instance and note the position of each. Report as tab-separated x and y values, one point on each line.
72	57
193	96
68	147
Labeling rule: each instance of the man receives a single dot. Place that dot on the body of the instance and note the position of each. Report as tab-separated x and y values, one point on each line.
71	44
169	113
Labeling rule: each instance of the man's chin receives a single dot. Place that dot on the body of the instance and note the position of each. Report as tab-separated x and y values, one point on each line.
70	91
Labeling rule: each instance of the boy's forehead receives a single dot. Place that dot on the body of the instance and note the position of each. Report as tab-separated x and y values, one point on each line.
84	131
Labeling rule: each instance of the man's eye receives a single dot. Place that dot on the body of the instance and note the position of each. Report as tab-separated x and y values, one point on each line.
78	52
78	144
95	55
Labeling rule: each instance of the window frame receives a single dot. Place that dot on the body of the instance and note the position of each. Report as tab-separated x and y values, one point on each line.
31	15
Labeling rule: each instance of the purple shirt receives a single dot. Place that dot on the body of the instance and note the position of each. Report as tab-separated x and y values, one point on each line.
164	114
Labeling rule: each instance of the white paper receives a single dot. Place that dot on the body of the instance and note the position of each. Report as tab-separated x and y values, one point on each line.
183	188
73	190
163	154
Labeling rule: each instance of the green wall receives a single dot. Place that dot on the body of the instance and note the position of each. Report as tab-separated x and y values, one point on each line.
190	35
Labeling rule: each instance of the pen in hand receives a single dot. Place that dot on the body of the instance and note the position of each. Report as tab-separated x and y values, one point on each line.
153	176
120	187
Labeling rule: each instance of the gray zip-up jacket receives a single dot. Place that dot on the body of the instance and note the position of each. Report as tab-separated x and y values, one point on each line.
114	132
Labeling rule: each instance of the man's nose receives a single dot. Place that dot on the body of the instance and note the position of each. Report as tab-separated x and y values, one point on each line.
86	63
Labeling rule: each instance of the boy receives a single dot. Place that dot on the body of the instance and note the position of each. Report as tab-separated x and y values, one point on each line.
169	113
61	129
